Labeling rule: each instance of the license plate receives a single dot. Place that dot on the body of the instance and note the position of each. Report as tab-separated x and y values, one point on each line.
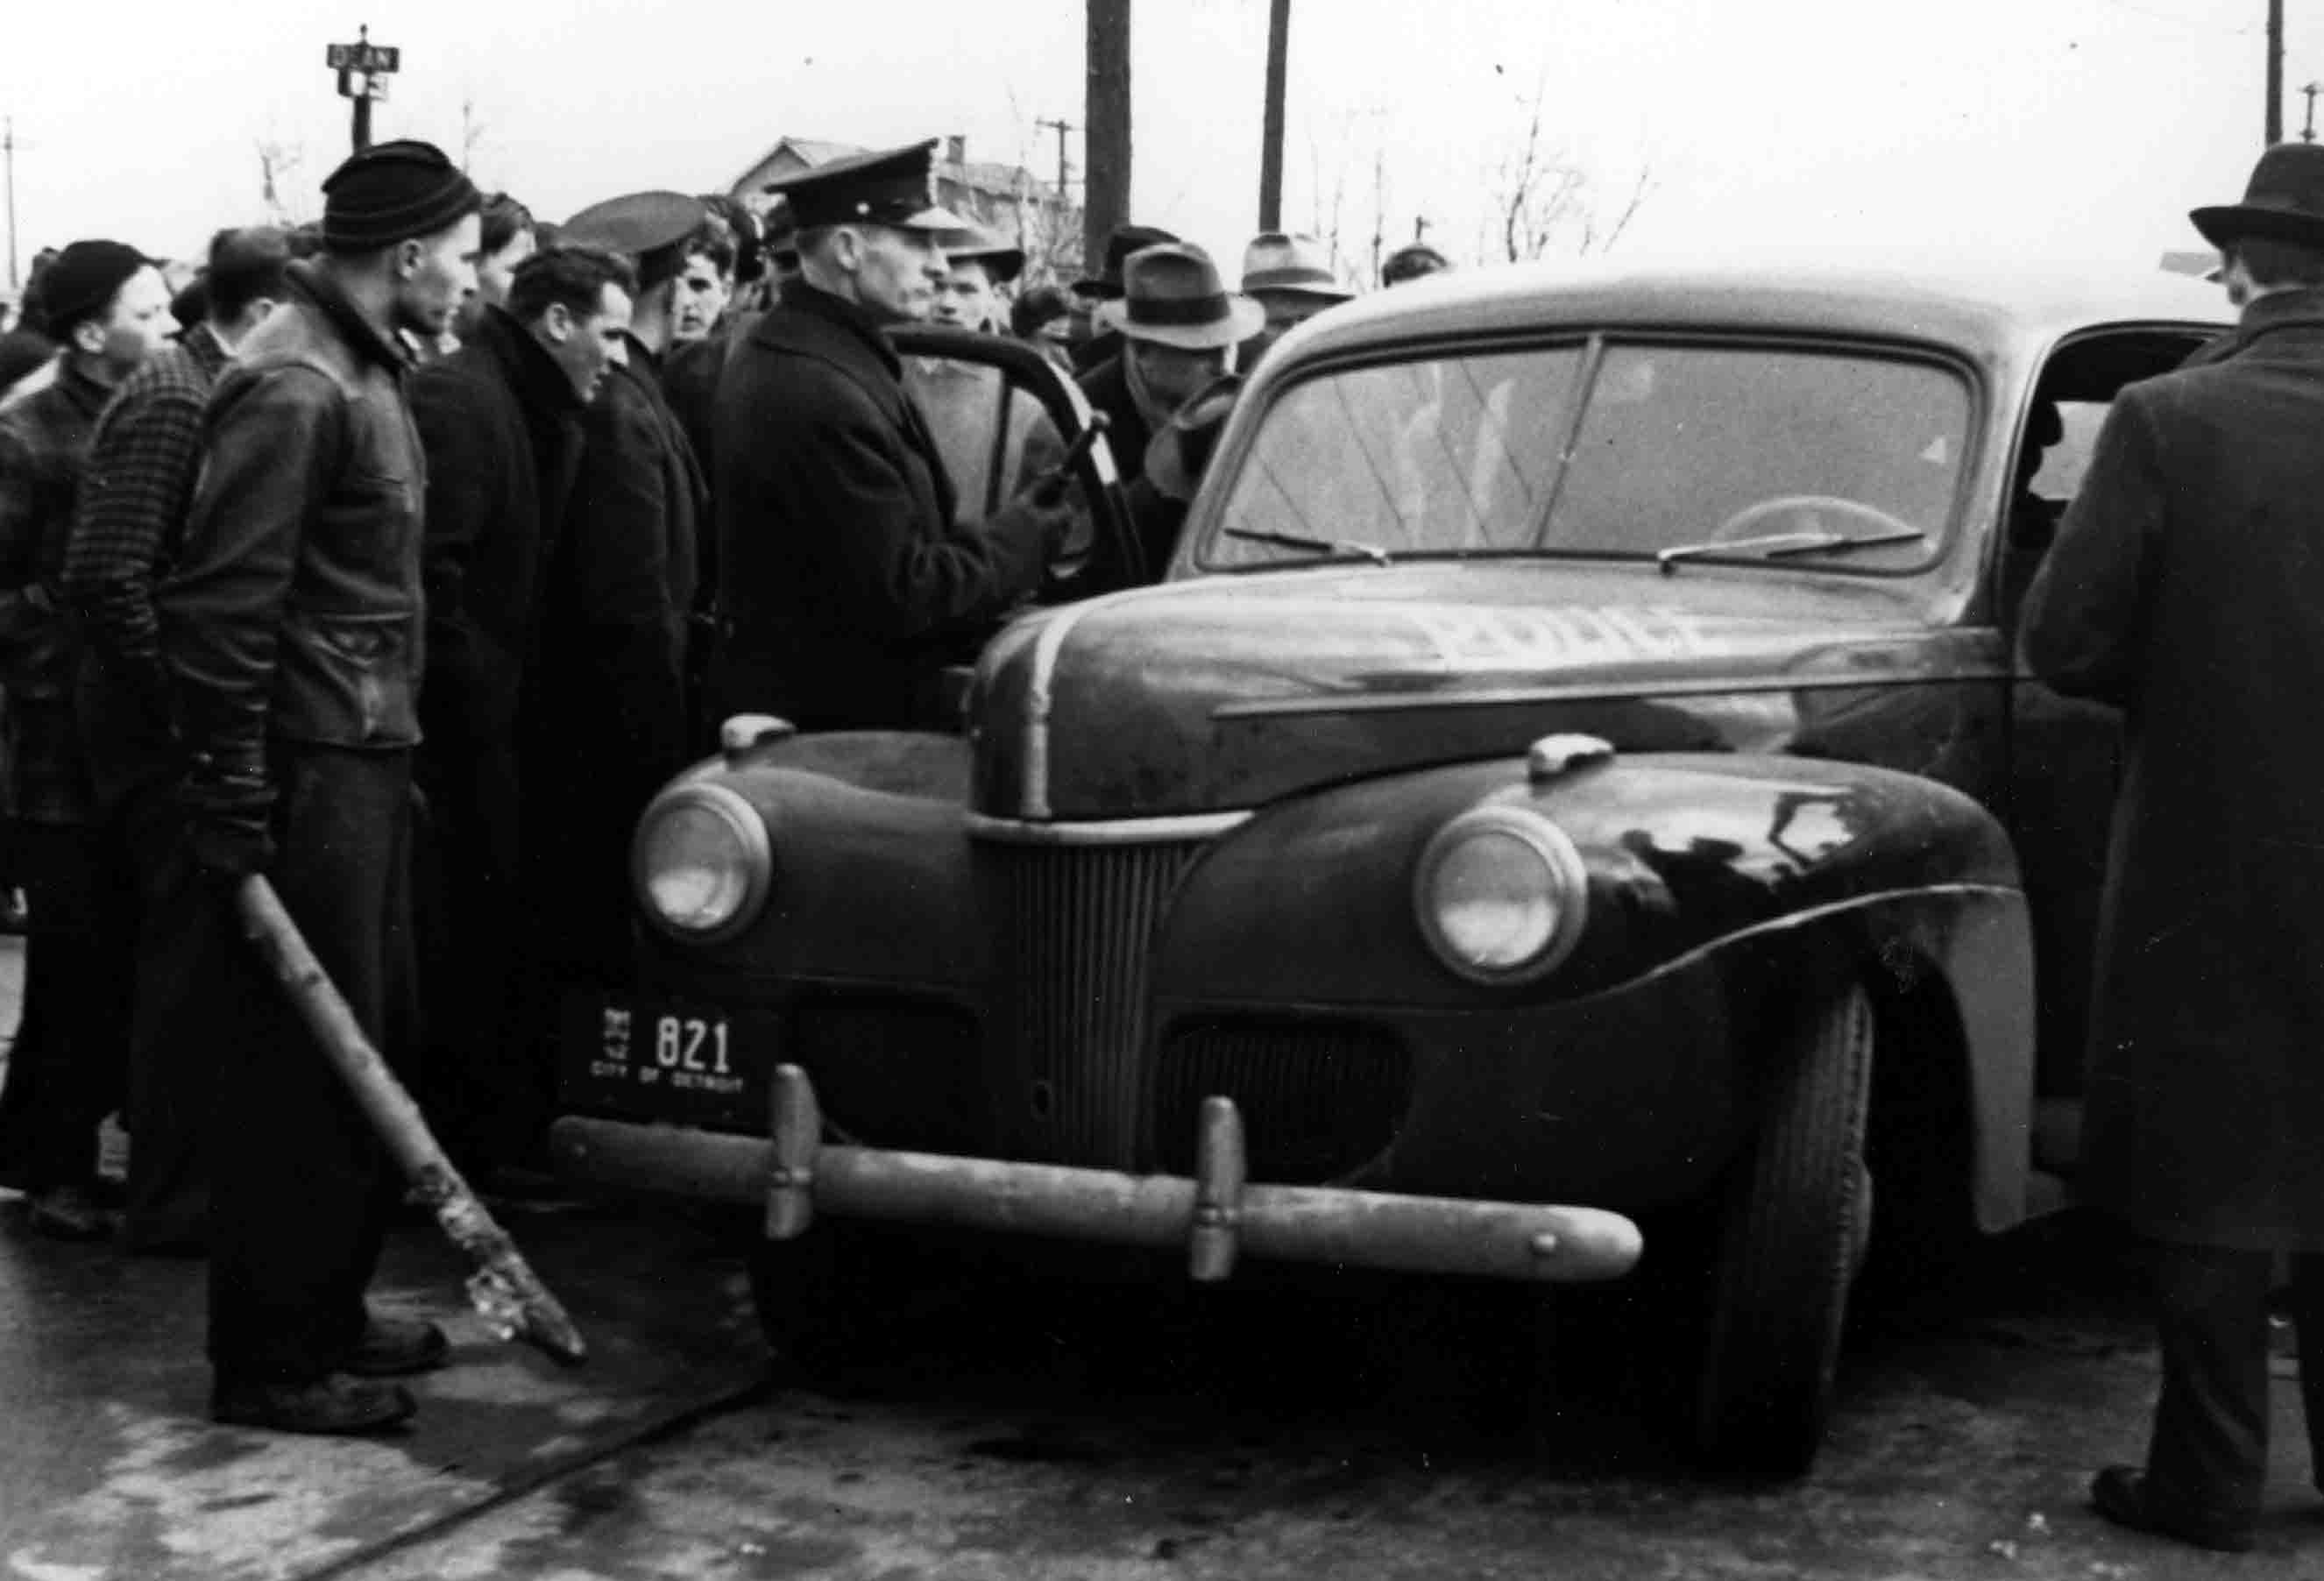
653	1059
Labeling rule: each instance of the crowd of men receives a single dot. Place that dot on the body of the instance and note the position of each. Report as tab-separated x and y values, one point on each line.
400	560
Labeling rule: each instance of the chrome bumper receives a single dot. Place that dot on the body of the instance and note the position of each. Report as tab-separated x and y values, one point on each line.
1216	1214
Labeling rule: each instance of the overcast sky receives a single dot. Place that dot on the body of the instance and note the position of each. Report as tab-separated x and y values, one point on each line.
2083	127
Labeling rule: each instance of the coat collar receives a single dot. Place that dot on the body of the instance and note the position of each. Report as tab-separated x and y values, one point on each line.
532	372
2282	309
205	350
324	293
819	303
86	395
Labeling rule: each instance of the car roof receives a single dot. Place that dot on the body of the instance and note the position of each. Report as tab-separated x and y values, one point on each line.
1971	307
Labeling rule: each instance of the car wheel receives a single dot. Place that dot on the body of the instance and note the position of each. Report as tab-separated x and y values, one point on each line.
1791	1238
810	1294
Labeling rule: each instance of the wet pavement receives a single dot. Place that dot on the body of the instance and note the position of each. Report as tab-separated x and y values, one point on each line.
109	1468
1296	1435
997	1423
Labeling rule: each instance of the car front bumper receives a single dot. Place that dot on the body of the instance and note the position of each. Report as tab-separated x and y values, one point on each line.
1216	1214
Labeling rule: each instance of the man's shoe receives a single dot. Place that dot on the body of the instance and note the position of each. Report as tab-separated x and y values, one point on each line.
396	1347
70	1213
331	1406
2122	1494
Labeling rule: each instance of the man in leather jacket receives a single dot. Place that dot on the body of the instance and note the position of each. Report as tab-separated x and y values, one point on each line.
291	631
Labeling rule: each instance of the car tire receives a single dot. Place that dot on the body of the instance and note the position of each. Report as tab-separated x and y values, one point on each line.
811	1295
1791	1236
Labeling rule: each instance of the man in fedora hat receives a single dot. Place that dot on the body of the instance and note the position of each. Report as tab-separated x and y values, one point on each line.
846	585
2187	588
1094	344
1291	277
1179	327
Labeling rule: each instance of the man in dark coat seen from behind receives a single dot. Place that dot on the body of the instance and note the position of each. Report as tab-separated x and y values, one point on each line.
501	422
292	631
2187	587
847	585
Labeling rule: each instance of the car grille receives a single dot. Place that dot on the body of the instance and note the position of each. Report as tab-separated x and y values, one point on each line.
1080	928
1318	1099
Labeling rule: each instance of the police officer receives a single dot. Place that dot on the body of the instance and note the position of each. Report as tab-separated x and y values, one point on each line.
847	588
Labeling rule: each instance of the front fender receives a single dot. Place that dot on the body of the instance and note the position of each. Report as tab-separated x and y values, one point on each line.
1311	901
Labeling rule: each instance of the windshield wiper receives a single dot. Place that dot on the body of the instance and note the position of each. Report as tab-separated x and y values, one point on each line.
1370	551
1777	545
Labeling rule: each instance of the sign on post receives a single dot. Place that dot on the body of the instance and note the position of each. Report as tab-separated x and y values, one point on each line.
367	58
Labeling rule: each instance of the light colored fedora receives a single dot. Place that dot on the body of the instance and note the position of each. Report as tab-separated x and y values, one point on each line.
1297	265
1172	295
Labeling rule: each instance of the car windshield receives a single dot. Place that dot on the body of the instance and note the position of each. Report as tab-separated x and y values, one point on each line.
1672	445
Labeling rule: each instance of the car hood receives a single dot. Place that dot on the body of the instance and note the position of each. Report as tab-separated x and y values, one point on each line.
1227	692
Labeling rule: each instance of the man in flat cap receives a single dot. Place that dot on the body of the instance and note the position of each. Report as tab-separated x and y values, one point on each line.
126	533
962	400
615	630
2186	586
292	630
501	421
108	307
847	588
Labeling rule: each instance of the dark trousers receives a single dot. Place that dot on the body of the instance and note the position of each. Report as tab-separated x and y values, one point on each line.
68	1066
2209	1448
173	1055
485	1088
300	1187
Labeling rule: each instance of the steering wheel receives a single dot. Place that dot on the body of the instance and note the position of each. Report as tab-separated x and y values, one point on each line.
1752	520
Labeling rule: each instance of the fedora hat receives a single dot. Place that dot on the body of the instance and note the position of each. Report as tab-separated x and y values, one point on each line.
2283	202
1119	244
1297	265
1172	295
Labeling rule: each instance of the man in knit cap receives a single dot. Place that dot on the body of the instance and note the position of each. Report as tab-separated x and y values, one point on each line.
291	632
109	308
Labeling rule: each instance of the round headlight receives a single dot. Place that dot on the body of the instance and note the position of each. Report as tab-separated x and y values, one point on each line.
702	862
1501	894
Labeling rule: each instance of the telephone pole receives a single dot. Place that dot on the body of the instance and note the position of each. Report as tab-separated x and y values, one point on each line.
1064	171
2274	73
8	156
1105	127
1271	147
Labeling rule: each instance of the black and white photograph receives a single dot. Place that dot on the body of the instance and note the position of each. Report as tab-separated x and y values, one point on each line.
1162	791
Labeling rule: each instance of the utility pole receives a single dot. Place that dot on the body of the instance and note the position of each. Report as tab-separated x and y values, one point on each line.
2274	73
1105	127
8	156
1064	171
1271	147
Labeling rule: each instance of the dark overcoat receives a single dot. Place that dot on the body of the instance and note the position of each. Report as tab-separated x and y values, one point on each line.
501	426
608	724
2187	586
1107	385
847	588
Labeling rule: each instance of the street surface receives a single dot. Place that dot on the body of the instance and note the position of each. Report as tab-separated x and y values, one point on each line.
999	1423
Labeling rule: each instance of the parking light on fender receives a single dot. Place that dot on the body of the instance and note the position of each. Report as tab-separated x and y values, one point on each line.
1501	894
702	863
